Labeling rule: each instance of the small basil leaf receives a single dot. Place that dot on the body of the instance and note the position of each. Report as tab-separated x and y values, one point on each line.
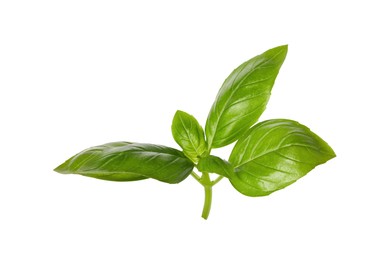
274	154
188	133
214	164
243	97
124	161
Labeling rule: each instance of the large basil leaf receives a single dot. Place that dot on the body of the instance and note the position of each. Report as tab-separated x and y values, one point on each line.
124	161
188	133
216	165
243	97
274	154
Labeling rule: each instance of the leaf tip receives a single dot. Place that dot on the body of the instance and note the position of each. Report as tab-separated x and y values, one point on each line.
283	48
178	112
60	169
332	153
329	150
281	51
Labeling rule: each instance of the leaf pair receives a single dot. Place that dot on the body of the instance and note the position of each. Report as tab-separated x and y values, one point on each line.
267	156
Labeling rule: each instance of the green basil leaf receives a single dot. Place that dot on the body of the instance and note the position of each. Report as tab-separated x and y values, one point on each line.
274	154
188	133
243	97
124	161
214	164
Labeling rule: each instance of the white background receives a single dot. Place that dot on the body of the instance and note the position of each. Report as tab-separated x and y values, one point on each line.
75	74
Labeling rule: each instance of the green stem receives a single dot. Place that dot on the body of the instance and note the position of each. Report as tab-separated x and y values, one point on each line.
207	184
220	177
196	177
207	202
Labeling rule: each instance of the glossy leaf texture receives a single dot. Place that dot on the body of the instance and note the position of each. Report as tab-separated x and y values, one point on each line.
214	164
243	97
124	161
189	134
274	154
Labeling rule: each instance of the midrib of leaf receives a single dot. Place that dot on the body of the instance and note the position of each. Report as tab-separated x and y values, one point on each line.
210	142
188	136
272	168
233	121
274	150
247	98
260	178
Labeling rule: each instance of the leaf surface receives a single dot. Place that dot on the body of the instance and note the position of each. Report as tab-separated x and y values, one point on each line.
124	161
189	134
243	97
274	154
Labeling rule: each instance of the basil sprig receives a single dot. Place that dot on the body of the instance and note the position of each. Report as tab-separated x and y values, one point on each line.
268	156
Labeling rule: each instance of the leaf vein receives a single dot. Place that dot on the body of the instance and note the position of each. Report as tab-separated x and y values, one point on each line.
291	145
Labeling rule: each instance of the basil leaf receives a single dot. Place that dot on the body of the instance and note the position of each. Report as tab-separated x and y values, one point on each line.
188	133
274	154
243	97
214	164
124	161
